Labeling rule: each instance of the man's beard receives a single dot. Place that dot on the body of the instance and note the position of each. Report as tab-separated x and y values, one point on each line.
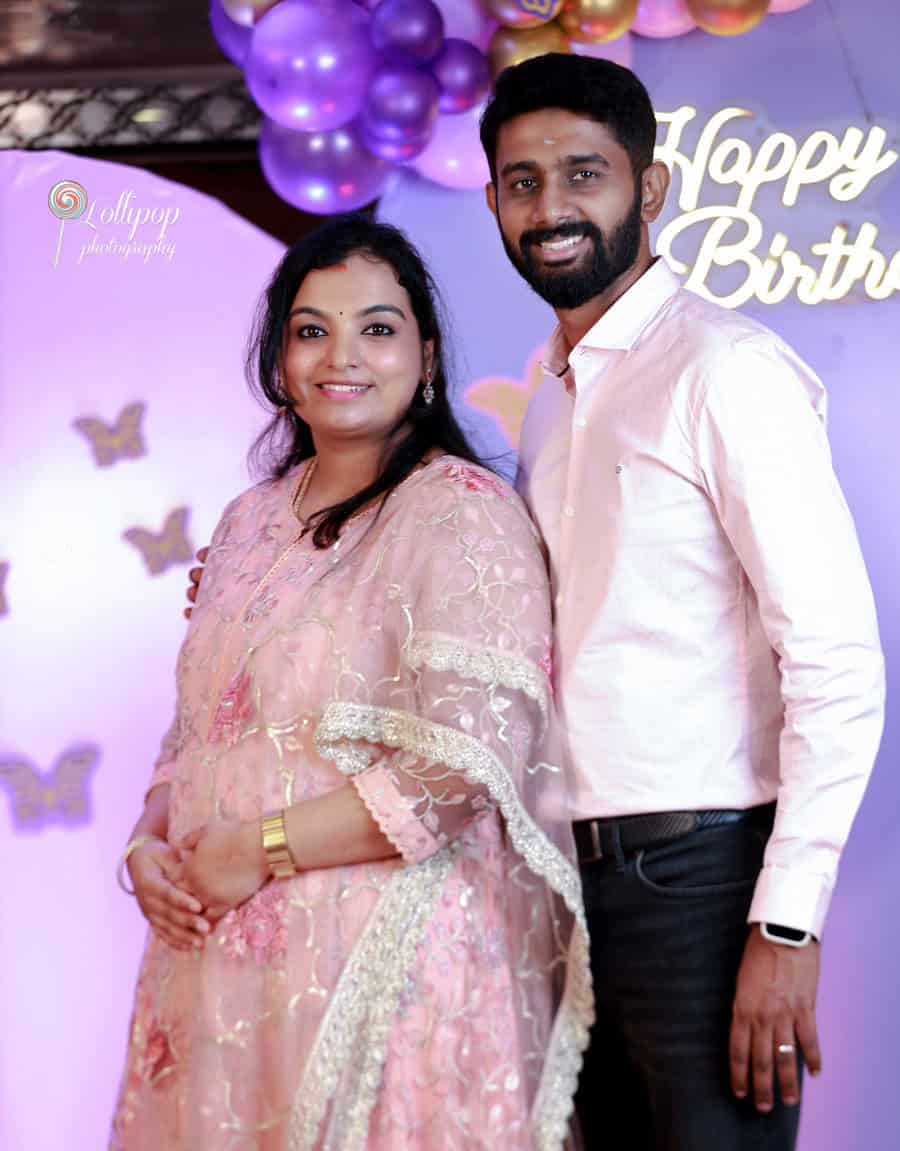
567	288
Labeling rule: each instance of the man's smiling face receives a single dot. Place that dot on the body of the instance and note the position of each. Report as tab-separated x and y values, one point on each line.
567	204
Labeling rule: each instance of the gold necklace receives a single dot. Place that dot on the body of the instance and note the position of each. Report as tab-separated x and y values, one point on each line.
303	488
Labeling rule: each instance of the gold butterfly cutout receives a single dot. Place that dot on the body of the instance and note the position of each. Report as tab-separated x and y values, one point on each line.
505	399
164	549
61	795
4	602
111	442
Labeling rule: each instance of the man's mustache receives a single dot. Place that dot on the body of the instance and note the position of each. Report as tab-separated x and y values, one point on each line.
561	232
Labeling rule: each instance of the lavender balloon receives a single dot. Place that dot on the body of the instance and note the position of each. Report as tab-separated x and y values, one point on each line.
321	172
401	103
408	30
463	74
467	20
310	62
454	157
232	38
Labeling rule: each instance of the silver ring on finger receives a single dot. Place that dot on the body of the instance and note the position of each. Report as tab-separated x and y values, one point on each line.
785	1051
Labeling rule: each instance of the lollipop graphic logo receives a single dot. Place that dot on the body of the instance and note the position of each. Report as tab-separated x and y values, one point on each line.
68	201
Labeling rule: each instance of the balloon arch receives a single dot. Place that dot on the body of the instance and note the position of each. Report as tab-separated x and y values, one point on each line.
350	89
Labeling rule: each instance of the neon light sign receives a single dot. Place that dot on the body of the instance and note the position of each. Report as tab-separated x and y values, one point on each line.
733	233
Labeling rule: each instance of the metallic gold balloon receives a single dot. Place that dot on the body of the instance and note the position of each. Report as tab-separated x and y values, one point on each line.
727	17
522	13
510	46
591	21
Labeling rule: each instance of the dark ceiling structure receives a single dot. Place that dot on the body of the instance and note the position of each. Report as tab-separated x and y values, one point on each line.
139	82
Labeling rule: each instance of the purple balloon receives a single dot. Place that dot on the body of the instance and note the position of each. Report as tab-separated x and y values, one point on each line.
397	151
408	30
233	39
321	172
463	74
310	62
401	103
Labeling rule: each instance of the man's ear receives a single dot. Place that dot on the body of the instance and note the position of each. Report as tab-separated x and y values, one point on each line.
490	194
654	187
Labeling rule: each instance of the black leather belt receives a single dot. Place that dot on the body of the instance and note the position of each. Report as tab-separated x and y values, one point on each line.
596	838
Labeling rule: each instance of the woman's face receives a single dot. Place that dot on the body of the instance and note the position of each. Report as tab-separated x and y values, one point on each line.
353	355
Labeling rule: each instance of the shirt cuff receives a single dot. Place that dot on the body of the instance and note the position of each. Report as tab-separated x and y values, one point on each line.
791	898
391	811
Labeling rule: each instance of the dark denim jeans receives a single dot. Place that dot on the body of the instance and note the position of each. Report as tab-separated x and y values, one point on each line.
668	926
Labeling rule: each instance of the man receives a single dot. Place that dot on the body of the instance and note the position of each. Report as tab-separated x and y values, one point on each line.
717	657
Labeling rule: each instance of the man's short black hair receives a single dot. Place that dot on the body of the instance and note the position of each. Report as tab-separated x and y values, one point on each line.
598	89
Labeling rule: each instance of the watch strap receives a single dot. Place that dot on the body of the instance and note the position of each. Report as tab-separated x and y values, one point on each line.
787	936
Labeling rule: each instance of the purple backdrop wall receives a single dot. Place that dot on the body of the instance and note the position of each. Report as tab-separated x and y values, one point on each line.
90	633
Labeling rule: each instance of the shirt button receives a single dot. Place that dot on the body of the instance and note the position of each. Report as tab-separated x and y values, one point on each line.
568	511
581	422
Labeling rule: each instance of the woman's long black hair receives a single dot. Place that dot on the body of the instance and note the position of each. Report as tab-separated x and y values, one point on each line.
287	440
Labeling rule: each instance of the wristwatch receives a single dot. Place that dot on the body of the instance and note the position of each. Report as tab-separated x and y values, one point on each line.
787	936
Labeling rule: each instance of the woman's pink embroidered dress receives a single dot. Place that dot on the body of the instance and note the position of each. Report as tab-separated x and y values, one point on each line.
438	1001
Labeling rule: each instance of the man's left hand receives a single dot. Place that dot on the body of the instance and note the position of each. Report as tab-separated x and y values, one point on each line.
774	1007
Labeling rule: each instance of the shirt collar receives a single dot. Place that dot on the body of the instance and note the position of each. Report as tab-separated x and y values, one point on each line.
620	327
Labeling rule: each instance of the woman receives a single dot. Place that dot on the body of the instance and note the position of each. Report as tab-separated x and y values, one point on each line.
367	928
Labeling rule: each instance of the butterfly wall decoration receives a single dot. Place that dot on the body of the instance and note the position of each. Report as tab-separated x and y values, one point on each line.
505	399
4	602
110	443
165	549
61	795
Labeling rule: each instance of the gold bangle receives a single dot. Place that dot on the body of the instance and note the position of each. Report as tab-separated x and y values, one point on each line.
131	846
275	845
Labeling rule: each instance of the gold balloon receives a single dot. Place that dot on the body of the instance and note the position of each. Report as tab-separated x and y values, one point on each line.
727	17
522	13
592	21
510	46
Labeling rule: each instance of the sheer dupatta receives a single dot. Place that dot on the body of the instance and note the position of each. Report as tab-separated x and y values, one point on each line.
463	725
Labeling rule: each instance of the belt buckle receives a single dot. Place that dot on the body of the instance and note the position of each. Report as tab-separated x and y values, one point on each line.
595	841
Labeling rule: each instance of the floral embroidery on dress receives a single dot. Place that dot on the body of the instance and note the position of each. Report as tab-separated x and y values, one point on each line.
260	607
545	663
477	481
234	710
259	927
157	1056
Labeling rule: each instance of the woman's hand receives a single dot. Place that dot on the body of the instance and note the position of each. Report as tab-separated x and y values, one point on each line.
160	889
225	866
